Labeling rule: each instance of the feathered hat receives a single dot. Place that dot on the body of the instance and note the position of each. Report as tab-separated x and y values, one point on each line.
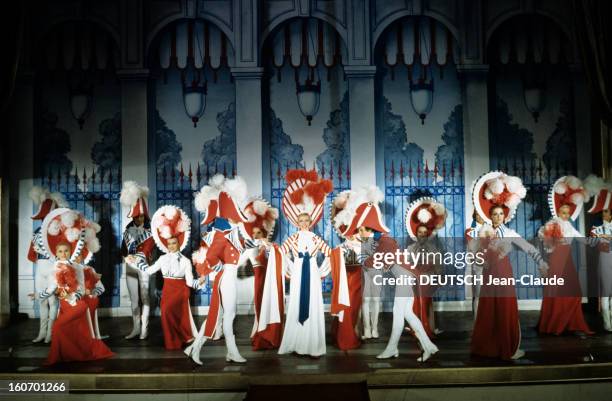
602	192
305	193
567	190
497	189
46	201
63	225
221	198
260	214
426	212
359	208
170	222
134	197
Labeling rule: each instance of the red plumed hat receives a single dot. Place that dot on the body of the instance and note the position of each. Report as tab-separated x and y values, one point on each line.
305	193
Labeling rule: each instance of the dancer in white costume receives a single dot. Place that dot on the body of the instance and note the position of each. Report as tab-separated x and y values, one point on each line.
303	201
137	241
363	215
40	256
219	252
602	203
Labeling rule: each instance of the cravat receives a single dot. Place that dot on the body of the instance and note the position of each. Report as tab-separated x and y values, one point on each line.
304	288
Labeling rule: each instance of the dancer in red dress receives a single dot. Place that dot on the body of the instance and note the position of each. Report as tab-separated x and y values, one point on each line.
170	228
562	305
424	217
260	228
345	332
73	336
497	331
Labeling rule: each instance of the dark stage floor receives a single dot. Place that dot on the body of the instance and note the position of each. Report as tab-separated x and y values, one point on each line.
147	365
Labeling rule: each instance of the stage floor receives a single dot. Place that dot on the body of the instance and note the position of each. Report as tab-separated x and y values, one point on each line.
144	365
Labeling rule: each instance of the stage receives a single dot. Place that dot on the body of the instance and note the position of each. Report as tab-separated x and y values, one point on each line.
144	366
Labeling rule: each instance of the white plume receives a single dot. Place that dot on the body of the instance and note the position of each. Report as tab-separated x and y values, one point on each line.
424	215
93	245
216	181
69	218
204	196
561	188
130	193
573	182
72	234
236	188
54	227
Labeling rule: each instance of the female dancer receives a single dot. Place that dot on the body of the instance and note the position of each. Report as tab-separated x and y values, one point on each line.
171	227
303	200
260	227
562	306
424	217
73	337
497	331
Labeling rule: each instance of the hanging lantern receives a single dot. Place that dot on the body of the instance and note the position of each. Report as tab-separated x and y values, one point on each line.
194	96
81	99
421	97
535	98
308	97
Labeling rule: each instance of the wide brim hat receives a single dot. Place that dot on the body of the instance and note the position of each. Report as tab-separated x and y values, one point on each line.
260	214
63	225
426	212
497	188
170	222
567	190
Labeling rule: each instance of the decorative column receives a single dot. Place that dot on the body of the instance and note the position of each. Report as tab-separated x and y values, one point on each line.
362	124
20	208
249	153
134	150
474	97
249	136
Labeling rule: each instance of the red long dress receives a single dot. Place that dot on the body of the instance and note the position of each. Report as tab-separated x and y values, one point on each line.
562	306
73	336
175	313
271	336
497	331
343	332
94	289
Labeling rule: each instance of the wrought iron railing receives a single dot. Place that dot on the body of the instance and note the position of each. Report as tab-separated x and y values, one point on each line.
406	182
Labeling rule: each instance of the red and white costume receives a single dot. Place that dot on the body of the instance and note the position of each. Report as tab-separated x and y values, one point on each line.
602	192
262	216
219	252
497	331
345	332
304	331
41	258
73	336
471	243
176	319
429	213
137	241
562	305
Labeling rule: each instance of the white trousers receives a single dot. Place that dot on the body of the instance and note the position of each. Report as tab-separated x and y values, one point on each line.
48	307
138	289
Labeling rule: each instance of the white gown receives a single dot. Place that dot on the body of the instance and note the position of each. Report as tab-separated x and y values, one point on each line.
307	338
